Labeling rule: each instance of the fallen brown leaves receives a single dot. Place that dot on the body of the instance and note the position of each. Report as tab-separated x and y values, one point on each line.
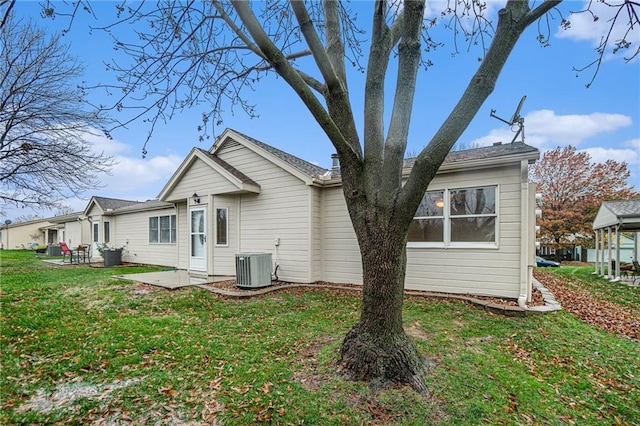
599	313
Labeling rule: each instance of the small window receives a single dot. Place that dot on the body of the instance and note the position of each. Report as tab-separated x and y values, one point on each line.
222	226
107	233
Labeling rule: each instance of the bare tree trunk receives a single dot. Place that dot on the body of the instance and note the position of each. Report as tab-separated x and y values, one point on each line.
376	349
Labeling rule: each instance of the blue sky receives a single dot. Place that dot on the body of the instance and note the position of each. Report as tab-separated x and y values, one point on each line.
604	119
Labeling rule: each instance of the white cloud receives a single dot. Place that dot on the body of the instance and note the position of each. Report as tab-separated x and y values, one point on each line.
131	175
600	155
585	28
545	129
102	144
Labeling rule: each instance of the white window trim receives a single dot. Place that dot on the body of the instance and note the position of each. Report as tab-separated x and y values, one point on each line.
447	243
215	225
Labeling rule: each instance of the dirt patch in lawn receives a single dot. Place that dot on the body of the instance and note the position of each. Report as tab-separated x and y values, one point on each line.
66	394
598	313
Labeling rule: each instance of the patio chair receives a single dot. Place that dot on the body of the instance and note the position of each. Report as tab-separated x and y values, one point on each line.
66	251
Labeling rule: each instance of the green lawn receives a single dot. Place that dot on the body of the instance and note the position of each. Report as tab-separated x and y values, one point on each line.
78	347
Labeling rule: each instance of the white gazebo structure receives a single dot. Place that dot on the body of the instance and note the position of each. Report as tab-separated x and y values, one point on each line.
613	218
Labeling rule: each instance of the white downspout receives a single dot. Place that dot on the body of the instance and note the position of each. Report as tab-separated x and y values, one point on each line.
527	234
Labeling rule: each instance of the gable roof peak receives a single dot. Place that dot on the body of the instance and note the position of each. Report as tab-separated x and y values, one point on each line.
309	169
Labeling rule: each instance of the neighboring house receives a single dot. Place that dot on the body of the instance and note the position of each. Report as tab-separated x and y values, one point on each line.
100	227
22	235
473	233
614	218
69	228
627	249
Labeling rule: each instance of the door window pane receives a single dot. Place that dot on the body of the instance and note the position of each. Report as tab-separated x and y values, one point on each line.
197	233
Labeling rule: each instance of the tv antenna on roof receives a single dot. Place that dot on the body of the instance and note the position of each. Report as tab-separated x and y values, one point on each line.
516	120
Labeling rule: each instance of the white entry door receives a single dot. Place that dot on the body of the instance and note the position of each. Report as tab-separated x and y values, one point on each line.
95	238
198	227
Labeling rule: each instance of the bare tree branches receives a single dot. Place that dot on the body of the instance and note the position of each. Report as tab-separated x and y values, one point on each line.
5	11
626	15
45	152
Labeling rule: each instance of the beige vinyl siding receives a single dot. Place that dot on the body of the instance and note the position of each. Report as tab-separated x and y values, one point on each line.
132	232
200	178
20	236
281	210
224	256
341	254
182	229
315	219
488	271
73	234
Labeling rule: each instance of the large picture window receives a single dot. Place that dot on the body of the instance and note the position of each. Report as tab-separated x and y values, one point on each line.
162	229
222	226
456	218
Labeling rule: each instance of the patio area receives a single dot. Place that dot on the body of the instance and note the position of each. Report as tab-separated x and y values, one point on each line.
173	279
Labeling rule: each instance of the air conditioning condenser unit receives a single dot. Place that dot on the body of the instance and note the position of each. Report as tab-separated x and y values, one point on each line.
253	270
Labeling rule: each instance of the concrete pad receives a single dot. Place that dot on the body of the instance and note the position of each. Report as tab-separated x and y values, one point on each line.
173	279
59	262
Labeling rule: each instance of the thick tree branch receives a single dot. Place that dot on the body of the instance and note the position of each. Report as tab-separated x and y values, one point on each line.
378	62
315	45
512	21
408	62
291	76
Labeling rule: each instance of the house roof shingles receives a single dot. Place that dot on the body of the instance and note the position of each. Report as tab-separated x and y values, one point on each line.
314	171
624	214
304	166
113	203
624	208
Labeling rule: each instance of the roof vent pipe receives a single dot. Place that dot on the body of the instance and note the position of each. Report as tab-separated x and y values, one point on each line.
335	163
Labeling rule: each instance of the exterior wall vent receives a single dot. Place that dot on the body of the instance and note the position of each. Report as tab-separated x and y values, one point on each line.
253	270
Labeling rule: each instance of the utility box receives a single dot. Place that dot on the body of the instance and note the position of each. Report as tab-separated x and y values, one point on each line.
253	270
54	250
112	257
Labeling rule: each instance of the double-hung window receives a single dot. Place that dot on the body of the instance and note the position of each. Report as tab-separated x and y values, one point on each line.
162	229
465	217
